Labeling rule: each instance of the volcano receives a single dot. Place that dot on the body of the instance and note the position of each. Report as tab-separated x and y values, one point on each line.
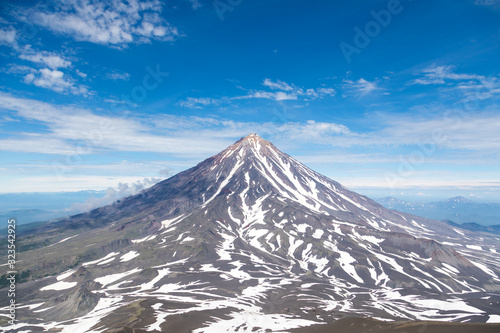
250	240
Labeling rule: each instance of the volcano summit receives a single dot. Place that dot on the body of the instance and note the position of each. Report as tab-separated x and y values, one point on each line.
250	240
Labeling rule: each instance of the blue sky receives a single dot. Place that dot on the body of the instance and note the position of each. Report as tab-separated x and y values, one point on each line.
387	97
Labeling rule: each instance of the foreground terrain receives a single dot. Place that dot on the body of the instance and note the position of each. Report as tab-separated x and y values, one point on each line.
365	325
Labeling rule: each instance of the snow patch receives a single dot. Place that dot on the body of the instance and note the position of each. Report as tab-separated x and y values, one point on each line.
129	256
187	239
494	319
255	322
65	274
108	279
145	239
112	254
61	285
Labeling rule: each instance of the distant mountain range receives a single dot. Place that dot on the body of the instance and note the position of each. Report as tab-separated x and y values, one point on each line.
458	209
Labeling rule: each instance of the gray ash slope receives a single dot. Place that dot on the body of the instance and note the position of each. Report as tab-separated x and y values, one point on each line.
251	238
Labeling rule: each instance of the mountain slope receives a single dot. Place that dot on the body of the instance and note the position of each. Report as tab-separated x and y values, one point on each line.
251	238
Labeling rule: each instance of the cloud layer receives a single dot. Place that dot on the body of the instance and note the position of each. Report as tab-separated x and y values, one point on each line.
70	128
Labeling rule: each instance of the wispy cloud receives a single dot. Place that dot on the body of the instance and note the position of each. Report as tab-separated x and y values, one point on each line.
320	92
117	76
36	143
69	128
80	74
49	59
198	103
442	74
277	96
487	2
473	87
360	87
278	85
284	91
277	91
195	4
457	129
8	36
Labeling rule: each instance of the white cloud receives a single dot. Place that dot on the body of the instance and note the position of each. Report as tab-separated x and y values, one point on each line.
279	91
479	90
8	36
474	87
117	76
120	101
109	22
310	131
195	4
198	103
278	85
18	69
362	86
487	2
54	80
441	74
453	129
320	92
277	96
81	74
49	73
49	59
290	91
113	194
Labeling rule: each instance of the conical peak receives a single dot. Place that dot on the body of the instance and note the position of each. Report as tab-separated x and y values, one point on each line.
249	147
253	137
255	143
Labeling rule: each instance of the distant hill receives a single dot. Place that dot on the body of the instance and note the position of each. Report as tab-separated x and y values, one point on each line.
24	216
494	229
44	200
36	207
458	209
